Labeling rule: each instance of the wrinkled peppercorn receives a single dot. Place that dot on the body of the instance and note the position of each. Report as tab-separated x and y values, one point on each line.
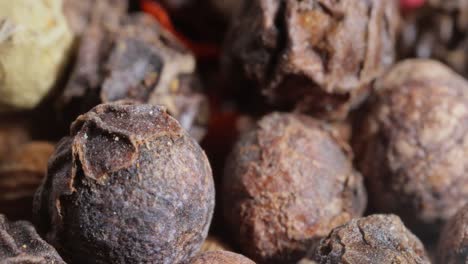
20	243
453	242
20	175
438	30
220	257
136	59
128	186
315	56
412	144
287	183
376	239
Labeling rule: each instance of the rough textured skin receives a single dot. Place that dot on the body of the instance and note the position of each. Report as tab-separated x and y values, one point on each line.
220	257
317	56
412	145
453	242
137	59
287	184
128	186
440	31
20	244
80	13
20	175
376	239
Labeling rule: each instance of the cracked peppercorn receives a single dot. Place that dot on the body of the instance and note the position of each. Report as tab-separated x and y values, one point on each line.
412	143
128	186
287	183
376	239
316	56
20	243
134	58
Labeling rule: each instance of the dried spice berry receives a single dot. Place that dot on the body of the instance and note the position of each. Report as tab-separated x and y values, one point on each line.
35	41
128	186
438	30
316	56
136	59
412	144
220	257
20	243
453	242
379	239
287	183
20	175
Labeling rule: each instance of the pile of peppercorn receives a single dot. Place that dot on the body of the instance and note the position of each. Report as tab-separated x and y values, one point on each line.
234	131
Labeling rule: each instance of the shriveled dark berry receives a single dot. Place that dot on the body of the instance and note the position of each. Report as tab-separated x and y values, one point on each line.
135	58
287	183
376	239
20	244
412	144
128	186
317	56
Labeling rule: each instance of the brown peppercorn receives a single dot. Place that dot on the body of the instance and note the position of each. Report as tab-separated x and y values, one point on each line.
220	257
438	30
316	56
453	242
20	175
376	239
287	183
128	186
412	144
20	243
136	59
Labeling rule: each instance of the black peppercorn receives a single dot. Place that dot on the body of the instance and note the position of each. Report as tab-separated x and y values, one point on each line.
135	58
376	239
287	183
315	56
411	145
128	186
20	244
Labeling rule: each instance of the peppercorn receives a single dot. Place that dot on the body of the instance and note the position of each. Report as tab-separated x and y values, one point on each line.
314	56
453	242
136	59
220	257
287	183
411	145
128	186
20	243
20	175
375	239
35	41
437	30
